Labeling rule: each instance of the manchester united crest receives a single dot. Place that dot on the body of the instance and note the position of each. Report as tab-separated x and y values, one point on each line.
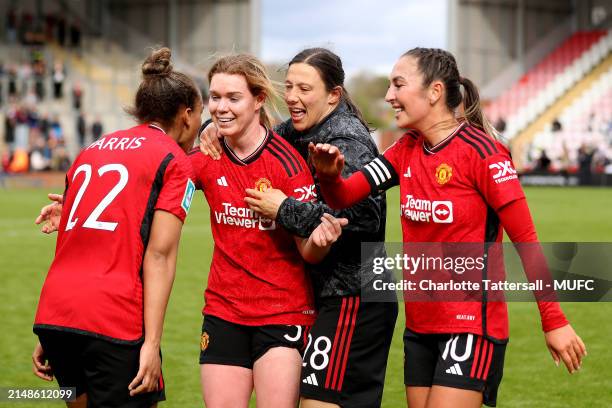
263	184
444	172
204	340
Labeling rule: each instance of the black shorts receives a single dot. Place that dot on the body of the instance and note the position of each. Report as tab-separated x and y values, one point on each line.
97	367
465	361
347	350
228	343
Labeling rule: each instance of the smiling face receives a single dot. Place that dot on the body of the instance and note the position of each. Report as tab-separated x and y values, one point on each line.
406	95
232	106
306	96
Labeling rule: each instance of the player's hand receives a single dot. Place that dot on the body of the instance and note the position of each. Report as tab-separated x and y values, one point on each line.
51	214
40	366
328	231
209	142
564	344
149	370
327	159
265	203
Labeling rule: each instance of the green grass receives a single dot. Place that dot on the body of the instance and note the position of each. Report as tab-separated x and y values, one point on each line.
530	378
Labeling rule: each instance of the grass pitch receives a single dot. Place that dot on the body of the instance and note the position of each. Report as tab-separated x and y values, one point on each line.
530	377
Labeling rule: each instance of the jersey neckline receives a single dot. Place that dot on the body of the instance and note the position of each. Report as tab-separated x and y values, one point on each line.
435	149
250	158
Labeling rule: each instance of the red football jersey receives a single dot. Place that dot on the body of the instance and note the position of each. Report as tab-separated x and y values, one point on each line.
451	193
94	285
257	275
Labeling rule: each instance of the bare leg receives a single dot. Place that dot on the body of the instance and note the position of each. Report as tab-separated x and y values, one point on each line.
447	397
277	378
225	386
80	402
417	396
310	403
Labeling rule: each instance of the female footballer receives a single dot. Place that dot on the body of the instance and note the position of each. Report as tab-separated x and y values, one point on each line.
259	302
101	309
346	356
457	184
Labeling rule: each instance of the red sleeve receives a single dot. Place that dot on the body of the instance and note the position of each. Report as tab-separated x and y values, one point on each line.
379	175
516	220
497	179
178	188
344	193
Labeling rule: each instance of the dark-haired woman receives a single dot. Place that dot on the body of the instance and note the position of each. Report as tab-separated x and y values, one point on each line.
346	352
457	184
101	310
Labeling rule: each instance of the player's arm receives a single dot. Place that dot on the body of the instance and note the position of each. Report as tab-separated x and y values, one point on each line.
314	248
301	218
159	267
561	339
341	189
506	197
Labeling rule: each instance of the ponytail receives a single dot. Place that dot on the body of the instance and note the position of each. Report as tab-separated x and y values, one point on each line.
472	110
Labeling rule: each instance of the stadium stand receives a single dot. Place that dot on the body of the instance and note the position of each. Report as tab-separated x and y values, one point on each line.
550	79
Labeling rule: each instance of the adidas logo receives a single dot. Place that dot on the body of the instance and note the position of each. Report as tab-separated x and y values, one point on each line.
222	181
455	369
311	379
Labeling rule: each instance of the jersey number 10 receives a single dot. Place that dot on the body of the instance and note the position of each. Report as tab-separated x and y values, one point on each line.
92	221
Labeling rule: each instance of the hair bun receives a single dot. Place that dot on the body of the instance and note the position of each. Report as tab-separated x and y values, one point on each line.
158	63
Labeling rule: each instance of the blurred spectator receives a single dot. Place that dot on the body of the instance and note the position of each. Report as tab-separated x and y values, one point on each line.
543	162
20	162
77	95
10	121
97	129
500	125
24	74
39	79
556	125
585	160
1	84
11	26
81	128
40	155
44	125
61	31
60	161
56	131
58	80
22	132
12	82
75	35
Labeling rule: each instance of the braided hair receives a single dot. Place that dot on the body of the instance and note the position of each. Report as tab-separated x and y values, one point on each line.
437	64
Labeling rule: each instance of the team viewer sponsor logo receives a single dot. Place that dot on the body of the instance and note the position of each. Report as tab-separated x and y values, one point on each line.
243	217
421	210
503	171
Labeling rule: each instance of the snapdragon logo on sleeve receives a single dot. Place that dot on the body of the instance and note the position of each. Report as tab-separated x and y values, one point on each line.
188	196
